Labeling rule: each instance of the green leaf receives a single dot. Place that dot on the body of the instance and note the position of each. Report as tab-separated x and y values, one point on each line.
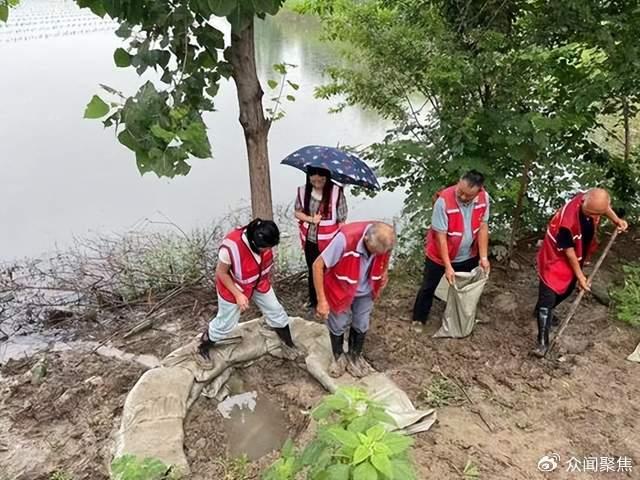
167	77
96	108
280	68
272	84
339	471
95	6
295	86
162	134
124	30
383	417
212	89
402	470
382	464
312	452
359	424
365	471
267	6
346	438
321	412
122	58
222	8
397	443
361	454
4	13
127	139
291	98
376	432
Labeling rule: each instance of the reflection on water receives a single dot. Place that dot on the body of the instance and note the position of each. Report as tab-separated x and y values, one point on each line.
63	176
254	425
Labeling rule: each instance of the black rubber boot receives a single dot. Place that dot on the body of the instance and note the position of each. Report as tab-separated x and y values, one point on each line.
358	366
356	342
284	333
337	345
555	321
544	325
205	346
339	363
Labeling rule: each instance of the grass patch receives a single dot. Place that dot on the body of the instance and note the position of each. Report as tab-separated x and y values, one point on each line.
627	296
441	392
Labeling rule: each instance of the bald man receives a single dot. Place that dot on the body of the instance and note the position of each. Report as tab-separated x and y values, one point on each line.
349	276
569	241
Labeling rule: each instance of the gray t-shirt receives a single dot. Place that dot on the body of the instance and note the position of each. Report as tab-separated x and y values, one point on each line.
333	253
440	223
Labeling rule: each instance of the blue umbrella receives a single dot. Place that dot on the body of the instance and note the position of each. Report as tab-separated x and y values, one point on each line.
345	167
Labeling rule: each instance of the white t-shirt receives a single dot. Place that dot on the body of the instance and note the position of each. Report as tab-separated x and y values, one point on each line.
223	253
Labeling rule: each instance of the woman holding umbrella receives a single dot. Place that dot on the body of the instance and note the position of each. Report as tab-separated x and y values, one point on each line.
320	208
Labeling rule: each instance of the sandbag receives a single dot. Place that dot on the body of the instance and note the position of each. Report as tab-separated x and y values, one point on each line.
154	411
462	302
635	356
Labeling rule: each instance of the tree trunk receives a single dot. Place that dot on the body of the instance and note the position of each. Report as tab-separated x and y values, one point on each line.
517	213
254	124
627	130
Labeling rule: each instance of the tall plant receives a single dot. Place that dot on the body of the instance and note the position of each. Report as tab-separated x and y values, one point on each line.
353	441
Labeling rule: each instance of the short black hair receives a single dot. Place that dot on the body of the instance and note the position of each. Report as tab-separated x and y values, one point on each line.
473	178
263	233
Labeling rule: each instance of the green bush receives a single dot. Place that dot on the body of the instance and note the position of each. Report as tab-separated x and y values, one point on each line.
627	297
352	442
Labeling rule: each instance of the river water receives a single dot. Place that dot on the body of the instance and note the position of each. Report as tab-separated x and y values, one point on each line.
64	177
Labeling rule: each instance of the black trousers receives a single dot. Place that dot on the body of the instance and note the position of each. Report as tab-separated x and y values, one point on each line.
547	298
431	278
311	252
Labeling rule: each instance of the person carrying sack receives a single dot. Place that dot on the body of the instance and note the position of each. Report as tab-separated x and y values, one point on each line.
458	240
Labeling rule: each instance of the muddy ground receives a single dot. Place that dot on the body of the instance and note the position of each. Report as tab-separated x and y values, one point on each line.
509	409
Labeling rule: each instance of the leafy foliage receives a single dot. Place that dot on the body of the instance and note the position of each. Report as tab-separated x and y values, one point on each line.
128	467
352	442
627	297
163	126
5	5
491	85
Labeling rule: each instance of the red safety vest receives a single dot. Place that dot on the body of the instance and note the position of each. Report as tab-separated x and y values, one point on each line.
328	227
553	267
455	229
341	280
245	271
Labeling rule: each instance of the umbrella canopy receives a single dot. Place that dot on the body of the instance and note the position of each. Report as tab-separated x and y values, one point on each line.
345	167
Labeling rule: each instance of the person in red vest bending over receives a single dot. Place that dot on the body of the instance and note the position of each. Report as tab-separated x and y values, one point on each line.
349	276
457	241
568	243
245	259
321	209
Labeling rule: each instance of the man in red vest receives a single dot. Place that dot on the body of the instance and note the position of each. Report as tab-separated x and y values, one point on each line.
568	243
245	260
349	276
457	241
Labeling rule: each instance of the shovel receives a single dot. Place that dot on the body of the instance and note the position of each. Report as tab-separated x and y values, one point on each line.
576	302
